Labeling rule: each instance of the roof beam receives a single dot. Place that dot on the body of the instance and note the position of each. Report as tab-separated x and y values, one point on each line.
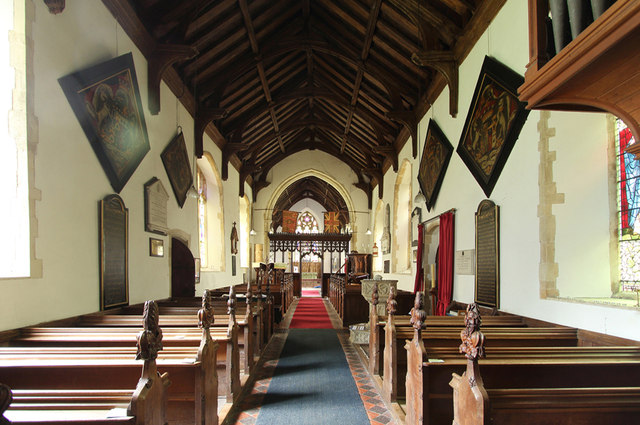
364	55
248	23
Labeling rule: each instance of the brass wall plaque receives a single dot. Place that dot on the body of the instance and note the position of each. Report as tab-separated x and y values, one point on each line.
488	254
114	252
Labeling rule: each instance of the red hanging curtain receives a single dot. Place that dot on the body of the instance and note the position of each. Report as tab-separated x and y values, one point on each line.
419	269
445	261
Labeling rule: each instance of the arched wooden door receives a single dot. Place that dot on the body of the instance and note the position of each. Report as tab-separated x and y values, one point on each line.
183	280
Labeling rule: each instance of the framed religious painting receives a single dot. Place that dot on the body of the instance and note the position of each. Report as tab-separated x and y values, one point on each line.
176	162
106	102
493	123
434	162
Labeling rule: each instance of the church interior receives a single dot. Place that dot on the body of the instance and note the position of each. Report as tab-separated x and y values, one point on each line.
379	187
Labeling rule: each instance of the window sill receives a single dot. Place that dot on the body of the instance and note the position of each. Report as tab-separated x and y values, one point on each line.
621	303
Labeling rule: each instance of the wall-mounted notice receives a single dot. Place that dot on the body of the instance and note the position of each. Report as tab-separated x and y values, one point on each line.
488	254
465	262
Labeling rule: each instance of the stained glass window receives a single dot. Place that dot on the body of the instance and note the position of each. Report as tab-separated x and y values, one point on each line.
202	217
307	223
628	168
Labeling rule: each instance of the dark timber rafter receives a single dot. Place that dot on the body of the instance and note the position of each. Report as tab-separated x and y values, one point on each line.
349	78
248	23
366	48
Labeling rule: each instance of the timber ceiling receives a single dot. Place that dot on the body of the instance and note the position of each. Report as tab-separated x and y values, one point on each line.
310	188
271	78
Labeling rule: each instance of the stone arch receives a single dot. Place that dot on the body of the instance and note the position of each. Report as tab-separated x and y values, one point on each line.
300	175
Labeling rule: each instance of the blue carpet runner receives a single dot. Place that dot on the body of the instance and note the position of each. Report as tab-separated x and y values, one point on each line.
312	383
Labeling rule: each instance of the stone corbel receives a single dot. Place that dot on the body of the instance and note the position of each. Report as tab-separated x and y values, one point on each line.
55	6
445	63
203	117
163	56
409	120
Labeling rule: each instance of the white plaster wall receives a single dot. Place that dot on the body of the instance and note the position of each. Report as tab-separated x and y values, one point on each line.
72	181
580	172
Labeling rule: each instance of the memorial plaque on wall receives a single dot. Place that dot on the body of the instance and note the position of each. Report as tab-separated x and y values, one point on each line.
488	254
114	264
155	207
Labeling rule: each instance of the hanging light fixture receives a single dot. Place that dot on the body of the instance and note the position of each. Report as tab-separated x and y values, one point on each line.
419	198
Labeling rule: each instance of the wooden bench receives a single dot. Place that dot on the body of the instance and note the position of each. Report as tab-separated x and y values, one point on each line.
473	404
395	366
377	326
227	358
88	400
184	317
429	397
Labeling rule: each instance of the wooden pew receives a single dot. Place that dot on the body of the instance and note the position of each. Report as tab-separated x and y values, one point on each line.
257	305
377	326
185	317
395	366
226	339
473	404
429	397
147	405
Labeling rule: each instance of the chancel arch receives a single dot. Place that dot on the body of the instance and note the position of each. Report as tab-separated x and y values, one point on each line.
319	175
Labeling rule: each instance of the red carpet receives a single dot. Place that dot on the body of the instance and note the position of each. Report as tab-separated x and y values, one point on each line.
310	292
310	313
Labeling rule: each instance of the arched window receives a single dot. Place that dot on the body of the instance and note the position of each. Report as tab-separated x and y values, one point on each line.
628	195
401	248
244	215
201	182
15	252
378	229
307	223
210	215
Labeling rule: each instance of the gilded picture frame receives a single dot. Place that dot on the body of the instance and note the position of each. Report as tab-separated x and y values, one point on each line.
176	163
106	101
493	123
434	162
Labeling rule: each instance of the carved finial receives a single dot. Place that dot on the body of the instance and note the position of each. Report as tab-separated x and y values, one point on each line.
249	299
472	339
6	397
392	304
150	339
206	313
231	304
418	315
374	294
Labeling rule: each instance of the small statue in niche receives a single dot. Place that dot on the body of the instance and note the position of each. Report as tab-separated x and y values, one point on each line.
234	239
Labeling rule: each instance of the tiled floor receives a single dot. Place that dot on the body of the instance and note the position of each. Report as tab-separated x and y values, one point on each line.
246	410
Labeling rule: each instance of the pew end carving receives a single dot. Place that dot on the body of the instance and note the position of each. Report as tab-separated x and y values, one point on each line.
416	357
149	401
470	399
207	382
